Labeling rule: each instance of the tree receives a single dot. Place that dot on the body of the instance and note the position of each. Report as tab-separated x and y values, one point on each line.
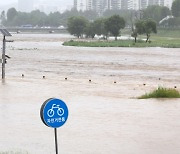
176	8
3	17
146	27
53	19
156	12
21	19
89	14
77	25
113	25
11	14
38	18
126	14
99	25
164	12
139	29
173	22
149	27
134	34
90	30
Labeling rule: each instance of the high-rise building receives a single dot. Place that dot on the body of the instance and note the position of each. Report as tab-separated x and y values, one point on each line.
156	2
98	5
143	4
101	5
25	5
136	4
109	4
130	4
124	4
115	4
161	2
47	6
80	5
89	4
75	4
168	3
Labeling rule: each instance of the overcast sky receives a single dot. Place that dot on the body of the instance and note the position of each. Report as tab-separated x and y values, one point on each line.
2	2
64	2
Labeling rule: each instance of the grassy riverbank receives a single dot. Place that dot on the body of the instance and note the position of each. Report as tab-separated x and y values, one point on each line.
156	42
165	38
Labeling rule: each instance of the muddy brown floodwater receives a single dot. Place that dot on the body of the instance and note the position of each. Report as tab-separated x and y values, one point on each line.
105	116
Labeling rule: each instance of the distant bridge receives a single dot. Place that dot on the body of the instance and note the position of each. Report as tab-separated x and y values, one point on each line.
37	29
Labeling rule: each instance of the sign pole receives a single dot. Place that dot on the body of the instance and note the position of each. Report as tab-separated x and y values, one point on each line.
3	58
54	114
56	142
5	33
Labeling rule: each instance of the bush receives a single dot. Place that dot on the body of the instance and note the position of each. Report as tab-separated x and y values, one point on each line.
162	93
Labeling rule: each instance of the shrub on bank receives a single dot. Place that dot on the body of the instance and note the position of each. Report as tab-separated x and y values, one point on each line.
162	93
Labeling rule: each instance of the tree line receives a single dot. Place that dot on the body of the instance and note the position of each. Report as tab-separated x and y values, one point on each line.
15	18
38	18
174	22
80	27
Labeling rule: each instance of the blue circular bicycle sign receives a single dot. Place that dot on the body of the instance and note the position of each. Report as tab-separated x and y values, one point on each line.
54	113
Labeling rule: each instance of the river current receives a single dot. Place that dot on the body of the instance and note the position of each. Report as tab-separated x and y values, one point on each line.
100	86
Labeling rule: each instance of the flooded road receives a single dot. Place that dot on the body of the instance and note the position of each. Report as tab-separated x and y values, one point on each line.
101	89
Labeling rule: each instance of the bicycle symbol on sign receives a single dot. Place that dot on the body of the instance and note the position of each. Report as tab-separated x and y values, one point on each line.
60	111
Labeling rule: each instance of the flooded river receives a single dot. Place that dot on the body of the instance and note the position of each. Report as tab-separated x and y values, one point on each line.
101	89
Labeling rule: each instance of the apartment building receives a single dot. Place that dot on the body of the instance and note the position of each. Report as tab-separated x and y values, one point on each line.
80	5
133	5
156	2
101	5
115	4
75	4
167	3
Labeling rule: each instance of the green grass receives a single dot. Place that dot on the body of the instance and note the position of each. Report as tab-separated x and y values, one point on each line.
172	33
166	38
161	32
155	42
162	93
